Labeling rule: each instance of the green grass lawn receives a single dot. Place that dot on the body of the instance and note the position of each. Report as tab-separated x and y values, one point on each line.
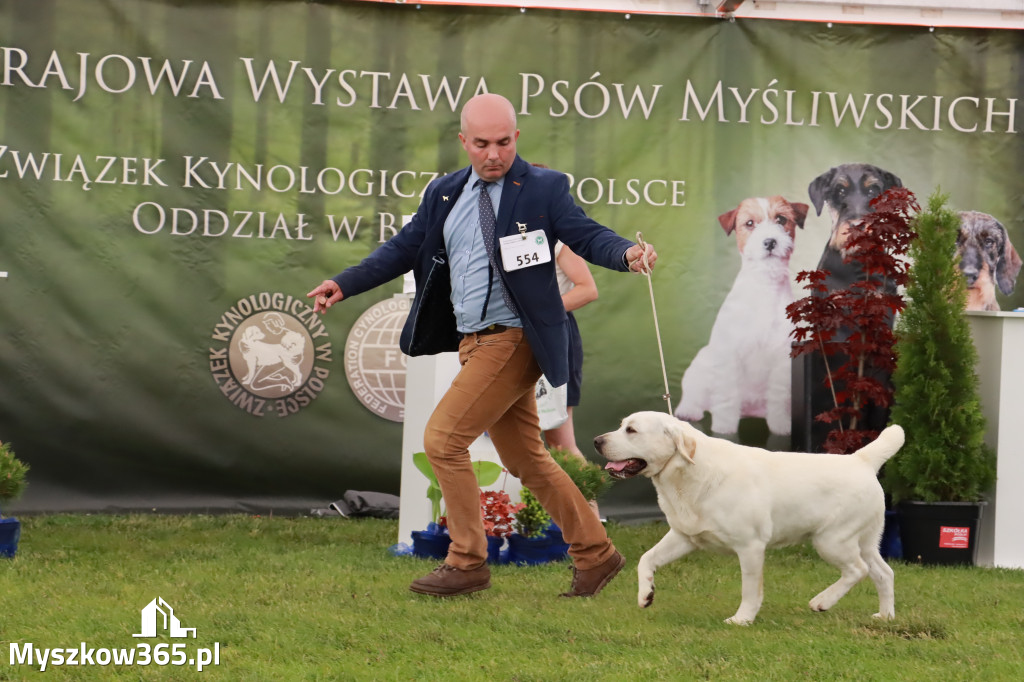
323	599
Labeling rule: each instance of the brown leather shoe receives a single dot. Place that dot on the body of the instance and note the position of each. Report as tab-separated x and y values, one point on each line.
591	581
448	581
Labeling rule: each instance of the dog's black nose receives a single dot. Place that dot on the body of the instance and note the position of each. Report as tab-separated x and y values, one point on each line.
770	244
598	443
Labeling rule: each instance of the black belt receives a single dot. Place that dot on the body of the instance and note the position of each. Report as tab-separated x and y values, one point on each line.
491	329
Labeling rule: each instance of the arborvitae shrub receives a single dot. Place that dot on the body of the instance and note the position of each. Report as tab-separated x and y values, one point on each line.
936	397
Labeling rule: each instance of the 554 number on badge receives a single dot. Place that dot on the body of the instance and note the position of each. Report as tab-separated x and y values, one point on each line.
524	250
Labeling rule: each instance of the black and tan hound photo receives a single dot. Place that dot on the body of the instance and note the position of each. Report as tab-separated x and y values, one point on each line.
847	191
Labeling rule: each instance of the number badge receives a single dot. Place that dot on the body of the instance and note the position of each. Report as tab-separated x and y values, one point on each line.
524	250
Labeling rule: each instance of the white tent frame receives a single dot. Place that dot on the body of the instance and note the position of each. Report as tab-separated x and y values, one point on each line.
931	13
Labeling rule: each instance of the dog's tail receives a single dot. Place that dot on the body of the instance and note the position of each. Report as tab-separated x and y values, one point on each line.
882	448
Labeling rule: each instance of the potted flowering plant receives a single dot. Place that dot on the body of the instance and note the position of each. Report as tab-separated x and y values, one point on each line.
532	543
12	484
499	520
433	542
531	519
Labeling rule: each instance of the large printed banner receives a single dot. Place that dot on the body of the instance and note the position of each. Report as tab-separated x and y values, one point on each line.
175	176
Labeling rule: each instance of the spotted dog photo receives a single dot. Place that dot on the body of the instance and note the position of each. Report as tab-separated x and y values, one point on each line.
987	259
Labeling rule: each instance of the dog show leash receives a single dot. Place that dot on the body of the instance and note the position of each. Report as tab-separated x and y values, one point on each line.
657	331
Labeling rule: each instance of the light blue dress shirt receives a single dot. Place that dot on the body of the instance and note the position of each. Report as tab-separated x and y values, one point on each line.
467	259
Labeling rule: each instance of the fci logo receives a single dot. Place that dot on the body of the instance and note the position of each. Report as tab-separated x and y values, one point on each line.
158	615
374	363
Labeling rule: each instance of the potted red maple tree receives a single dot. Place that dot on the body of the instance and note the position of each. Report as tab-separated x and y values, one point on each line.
850	330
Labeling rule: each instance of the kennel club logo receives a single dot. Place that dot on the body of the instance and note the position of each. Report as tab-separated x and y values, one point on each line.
374	364
271	354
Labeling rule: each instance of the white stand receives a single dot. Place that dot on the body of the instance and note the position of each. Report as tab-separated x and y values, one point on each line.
999	339
426	380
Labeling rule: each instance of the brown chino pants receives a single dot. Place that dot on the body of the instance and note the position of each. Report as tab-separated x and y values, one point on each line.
494	392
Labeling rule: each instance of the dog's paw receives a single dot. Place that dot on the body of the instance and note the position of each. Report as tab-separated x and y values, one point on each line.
689	414
818	604
646	599
738	620
883	616
725	426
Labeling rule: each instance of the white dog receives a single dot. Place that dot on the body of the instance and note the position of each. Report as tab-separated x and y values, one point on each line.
260	355
723	496
744	370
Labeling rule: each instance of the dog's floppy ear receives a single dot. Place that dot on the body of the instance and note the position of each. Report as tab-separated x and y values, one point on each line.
799	212
888	179
1008	267
685	444
819	187
728	220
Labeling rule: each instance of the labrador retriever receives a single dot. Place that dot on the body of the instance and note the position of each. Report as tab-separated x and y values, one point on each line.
721	496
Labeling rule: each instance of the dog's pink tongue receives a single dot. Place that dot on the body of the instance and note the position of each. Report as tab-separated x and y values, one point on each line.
616	466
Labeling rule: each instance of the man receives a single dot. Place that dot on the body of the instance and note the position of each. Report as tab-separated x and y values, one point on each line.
502	311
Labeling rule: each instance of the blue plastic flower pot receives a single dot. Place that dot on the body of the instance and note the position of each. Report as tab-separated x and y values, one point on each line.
428	544
10	533
494	553
529	551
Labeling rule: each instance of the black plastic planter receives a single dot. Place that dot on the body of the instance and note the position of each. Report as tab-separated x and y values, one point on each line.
940	533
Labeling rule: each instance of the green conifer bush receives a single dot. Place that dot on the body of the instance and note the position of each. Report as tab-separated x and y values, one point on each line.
12	474
936	387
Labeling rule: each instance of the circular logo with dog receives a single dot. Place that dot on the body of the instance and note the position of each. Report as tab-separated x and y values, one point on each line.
374	364
271	354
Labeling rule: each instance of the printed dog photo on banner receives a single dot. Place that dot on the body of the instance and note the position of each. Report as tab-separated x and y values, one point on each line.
846	191
744	370
987	259
843	195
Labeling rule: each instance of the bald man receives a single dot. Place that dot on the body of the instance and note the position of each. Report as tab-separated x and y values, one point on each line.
497	303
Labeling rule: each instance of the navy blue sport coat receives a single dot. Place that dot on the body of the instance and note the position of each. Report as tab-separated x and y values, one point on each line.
538	198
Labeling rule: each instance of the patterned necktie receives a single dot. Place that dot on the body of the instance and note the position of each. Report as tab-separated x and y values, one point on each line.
487	229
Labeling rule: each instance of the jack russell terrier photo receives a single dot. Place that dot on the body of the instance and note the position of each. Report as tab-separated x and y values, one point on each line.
744	370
